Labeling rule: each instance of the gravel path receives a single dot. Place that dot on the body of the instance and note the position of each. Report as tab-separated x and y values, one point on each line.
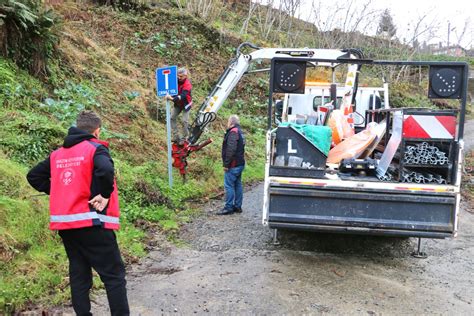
229	266
469	135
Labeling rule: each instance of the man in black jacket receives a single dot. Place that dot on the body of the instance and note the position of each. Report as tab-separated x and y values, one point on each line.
79	177
233	152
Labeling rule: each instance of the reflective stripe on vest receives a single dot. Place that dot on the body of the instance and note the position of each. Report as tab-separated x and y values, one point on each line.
188	106
83	216
188	102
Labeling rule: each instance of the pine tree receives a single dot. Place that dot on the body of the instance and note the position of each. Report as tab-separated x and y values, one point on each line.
386	26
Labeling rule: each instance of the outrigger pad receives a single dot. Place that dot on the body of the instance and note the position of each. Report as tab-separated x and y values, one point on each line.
446	82
288	76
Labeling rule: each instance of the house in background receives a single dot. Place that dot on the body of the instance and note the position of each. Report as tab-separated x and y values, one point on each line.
452	50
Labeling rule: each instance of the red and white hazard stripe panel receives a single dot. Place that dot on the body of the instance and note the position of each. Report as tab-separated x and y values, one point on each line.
429	126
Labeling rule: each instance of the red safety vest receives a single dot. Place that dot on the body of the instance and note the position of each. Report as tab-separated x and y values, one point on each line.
188	103
71	179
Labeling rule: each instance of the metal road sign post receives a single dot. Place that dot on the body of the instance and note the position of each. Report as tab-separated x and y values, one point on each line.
167	84
168	133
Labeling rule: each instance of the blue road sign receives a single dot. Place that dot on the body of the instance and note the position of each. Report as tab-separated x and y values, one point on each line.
167	81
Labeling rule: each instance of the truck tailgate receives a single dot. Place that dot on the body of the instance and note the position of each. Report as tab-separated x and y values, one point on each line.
365	212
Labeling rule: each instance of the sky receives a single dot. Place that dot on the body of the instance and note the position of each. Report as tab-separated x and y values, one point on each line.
442	13
435	15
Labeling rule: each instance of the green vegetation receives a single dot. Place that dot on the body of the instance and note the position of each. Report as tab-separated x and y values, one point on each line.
33	263
28	34
468	178
36	113
103	58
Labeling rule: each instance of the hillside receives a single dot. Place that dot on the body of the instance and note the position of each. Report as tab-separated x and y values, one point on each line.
104	58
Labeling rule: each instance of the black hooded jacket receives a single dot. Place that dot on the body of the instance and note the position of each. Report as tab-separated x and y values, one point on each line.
233	148
103	177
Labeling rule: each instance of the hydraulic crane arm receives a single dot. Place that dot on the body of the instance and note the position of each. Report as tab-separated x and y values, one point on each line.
239	65
224	86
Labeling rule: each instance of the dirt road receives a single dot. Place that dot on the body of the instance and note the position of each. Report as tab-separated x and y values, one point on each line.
228	265
469	134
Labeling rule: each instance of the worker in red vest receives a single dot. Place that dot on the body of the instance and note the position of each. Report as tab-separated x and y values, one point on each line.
79	177
183	102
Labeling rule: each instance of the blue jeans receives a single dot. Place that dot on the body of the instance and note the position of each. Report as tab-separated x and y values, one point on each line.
233	187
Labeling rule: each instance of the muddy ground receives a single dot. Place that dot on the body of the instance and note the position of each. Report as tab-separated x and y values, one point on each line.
228	265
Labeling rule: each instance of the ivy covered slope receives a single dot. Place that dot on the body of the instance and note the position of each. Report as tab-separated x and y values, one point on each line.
104	60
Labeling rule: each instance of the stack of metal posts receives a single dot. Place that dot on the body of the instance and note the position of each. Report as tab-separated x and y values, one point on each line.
422	177
425	154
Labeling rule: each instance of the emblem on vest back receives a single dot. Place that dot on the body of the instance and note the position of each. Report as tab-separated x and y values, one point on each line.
67	176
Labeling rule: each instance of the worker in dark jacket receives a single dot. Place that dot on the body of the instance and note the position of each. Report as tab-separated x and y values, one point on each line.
183	102
79	177
233	151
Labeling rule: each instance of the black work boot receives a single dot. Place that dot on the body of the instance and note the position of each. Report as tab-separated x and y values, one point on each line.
237	209
225	211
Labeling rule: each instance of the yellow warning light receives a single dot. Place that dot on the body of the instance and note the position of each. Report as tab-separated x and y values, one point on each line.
317	83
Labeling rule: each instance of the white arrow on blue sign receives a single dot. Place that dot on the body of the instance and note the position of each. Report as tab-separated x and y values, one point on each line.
167	81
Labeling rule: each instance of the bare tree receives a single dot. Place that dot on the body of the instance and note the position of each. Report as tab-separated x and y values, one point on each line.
274	17
282	18
245	25
290	7
208	10
460	35
266	17
423	25
422	29
345	23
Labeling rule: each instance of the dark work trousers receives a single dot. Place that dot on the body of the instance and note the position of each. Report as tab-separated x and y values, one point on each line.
95	247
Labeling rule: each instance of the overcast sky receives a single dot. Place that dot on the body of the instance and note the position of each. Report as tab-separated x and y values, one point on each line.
405	12
434	14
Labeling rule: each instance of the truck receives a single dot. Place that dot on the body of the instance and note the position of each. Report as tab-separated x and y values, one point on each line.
408	182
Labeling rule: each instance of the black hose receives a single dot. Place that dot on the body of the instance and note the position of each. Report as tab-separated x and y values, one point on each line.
355	51
202	120
244	44
207	118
